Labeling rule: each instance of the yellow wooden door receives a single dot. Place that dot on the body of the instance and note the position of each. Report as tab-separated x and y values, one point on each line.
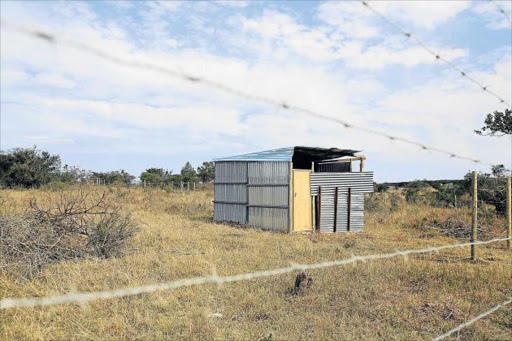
301	201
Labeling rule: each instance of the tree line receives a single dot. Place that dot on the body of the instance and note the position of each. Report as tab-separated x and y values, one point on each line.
33	168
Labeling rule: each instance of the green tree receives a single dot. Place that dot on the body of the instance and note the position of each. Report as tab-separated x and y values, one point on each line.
28	167
491	187
188	173
206	171
497	124
114	177
154	176
72	174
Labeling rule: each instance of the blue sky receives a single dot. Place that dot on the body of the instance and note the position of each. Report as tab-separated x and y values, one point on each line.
336	58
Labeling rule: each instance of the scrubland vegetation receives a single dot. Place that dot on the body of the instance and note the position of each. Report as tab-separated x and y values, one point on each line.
170	235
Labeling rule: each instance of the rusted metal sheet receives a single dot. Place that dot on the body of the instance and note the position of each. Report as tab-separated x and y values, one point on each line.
275	219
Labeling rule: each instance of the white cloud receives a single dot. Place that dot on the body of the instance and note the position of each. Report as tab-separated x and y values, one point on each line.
55	80
426	13
352	16
327	67
491	13
282	34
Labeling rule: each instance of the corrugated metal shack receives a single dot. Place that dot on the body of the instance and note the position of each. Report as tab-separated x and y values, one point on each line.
295	189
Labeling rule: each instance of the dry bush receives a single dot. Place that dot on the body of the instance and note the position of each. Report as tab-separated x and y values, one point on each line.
455	223
384	202
70	225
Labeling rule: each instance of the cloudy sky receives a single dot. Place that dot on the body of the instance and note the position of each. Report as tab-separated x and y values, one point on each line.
335	58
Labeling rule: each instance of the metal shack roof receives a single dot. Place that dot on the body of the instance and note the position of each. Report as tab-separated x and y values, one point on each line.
286	154
280	154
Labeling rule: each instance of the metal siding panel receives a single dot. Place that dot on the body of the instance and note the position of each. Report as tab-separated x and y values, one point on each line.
360	182
268	196
231	172
230	212
275	155
236	173
231	193
356	214
274	219
268	173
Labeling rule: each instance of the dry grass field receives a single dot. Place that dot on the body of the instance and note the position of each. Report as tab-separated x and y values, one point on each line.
416	298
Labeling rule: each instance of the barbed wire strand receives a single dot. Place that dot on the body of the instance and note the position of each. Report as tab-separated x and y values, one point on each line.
7	303
436	54
473	320
51	38
501	10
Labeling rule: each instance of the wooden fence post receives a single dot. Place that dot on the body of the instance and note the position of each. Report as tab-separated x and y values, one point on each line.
474	221
509	211
335	209
319	225
349	207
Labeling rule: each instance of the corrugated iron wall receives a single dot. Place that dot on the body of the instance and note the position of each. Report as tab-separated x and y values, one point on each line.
257	193
269	195
231	193
275	219
359	183
327	212
229	172
230	212
254	193
230	198
269	173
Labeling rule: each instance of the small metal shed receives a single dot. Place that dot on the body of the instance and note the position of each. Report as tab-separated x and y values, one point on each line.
294	189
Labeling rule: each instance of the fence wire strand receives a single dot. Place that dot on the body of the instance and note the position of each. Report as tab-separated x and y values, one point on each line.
502	11
434	53
7	303
473	320
176	73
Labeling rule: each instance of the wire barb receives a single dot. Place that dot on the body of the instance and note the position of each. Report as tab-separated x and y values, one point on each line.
177	73
431	51
6	303
501	10
473	320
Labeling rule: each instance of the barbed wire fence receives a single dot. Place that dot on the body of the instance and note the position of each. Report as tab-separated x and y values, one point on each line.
7	303
434	53
177	73
471	321
501	10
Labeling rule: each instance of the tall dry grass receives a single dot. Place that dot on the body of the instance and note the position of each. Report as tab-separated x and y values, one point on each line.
396	299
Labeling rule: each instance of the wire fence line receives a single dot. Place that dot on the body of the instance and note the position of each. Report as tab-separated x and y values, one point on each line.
434	53
473	320
176	73
6	303
501	10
